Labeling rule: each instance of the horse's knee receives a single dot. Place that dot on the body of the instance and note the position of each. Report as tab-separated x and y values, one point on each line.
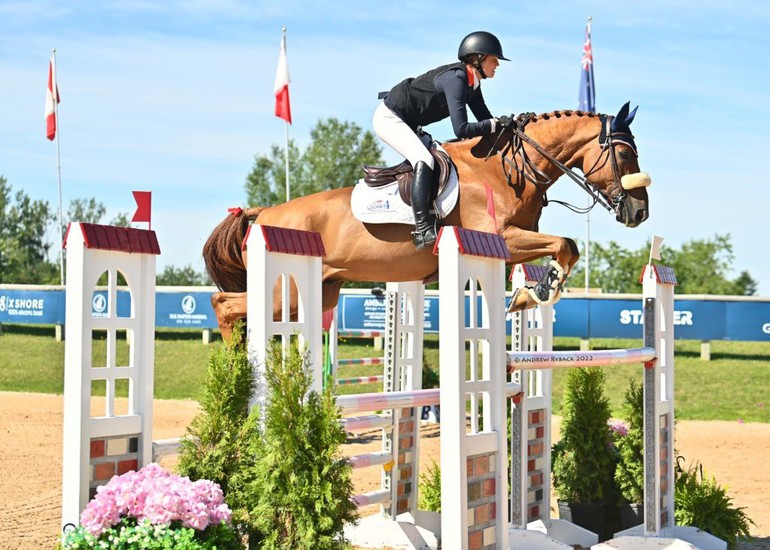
573	248
567	254
228	308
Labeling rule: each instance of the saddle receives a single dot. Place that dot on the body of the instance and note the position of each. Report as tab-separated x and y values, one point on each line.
378	176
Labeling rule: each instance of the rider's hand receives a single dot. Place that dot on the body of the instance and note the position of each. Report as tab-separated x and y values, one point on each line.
504	122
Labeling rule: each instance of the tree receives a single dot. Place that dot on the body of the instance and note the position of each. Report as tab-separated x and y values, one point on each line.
266	184
23	247
333	159
182	276
121	220
336	153
701	267
92	211
85	210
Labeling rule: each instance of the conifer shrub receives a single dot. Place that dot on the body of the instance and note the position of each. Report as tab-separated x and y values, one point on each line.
281	470
629	472
583	461
295	489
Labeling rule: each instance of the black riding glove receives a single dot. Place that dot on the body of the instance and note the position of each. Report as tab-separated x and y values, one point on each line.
504	122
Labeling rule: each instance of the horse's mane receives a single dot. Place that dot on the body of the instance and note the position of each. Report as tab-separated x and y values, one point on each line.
532	117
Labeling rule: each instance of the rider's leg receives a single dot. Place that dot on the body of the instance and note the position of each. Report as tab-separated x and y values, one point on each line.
424	217
396	133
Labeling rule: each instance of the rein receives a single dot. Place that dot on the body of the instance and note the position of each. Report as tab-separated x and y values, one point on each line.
530	172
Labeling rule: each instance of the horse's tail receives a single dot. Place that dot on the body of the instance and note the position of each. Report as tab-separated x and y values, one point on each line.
222	252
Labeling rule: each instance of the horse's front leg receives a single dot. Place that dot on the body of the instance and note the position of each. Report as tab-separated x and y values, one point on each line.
526	246
228	307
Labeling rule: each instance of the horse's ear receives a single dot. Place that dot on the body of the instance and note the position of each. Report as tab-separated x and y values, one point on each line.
623	113
630	117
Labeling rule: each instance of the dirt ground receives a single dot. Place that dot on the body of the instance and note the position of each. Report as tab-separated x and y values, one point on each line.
30	463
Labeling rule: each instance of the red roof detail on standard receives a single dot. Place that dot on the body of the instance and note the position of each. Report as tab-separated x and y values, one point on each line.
118	239
479	243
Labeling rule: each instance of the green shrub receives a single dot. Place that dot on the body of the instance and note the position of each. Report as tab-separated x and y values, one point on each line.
430	488
129	534
285	482
702	503
583	461
629	472
295	487
218	437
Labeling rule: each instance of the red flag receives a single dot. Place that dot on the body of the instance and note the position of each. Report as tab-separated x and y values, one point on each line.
281	88
143	206
51	99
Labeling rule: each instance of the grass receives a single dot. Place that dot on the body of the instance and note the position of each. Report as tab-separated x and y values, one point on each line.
733	386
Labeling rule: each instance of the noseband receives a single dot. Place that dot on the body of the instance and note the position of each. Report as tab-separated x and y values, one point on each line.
611	200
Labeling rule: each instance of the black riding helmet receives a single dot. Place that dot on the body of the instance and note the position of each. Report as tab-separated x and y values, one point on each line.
478	44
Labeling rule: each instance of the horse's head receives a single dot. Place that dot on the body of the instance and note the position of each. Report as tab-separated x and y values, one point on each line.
612	167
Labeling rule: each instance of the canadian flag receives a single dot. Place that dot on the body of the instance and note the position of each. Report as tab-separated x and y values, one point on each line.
282	107
51	99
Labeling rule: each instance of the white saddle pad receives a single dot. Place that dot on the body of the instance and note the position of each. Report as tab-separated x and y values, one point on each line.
384	204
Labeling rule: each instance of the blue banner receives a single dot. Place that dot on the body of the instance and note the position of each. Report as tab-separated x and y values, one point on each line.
184	310
748	321
38	307
100	306
594	317
362	312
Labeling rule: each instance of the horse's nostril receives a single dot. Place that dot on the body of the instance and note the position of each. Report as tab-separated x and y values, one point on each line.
641	215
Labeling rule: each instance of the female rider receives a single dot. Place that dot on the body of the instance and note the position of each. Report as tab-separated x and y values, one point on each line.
440	93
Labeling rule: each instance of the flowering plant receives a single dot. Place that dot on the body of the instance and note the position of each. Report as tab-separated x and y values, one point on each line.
617	428
629	474
152	508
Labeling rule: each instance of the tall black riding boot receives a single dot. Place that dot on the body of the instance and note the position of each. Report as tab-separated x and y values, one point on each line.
424	234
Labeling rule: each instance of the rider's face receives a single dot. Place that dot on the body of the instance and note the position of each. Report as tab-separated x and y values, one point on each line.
489	65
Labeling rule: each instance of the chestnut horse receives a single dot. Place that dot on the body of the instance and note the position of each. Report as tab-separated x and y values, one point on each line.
519	164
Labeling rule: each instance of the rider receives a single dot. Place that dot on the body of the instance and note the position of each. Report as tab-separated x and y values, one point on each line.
443	92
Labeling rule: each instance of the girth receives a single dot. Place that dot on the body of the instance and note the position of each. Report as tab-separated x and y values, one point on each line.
379	176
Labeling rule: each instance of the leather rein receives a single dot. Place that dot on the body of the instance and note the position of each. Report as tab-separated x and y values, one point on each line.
521	163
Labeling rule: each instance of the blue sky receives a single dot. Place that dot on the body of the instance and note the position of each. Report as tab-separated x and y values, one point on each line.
176	97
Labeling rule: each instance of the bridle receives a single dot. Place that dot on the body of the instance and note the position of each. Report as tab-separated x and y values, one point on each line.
519	161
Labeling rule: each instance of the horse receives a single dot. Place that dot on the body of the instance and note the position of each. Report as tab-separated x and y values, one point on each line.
518	164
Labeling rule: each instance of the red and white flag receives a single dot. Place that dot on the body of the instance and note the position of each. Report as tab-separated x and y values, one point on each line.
281	88
51	99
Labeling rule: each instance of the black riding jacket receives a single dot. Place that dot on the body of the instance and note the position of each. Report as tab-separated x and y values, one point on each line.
442	92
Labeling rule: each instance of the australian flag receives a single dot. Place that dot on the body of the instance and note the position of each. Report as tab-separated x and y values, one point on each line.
587	99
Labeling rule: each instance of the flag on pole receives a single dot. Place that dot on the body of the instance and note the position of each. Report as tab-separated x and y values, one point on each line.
281	88
143	206
587	98
51	99
655	248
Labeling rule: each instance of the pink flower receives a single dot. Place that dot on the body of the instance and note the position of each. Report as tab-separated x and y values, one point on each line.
154	494
617	428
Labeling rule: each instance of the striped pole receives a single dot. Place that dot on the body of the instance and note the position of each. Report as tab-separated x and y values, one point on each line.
525	360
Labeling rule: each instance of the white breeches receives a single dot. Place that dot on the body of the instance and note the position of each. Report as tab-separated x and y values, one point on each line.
396	133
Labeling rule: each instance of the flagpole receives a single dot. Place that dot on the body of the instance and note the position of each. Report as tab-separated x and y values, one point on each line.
286	149
588	214
287	162
58	167
588	249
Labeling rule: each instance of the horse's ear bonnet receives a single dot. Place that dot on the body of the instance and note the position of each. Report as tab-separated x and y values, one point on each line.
622	121
620	126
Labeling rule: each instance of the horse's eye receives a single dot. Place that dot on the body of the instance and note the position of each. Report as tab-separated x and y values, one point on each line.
625	155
